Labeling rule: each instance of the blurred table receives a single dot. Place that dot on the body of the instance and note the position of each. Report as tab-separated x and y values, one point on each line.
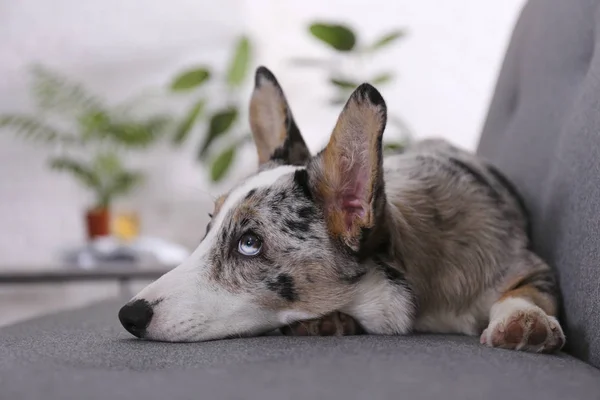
121	274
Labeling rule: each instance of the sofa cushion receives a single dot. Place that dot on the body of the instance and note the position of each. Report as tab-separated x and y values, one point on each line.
543	132
85	354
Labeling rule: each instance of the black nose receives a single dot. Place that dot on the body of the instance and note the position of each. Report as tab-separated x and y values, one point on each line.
136	316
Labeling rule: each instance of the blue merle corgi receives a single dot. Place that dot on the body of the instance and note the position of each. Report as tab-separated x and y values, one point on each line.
349	241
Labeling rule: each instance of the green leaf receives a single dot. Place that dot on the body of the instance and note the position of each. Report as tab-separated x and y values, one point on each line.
382	78
93	122
219	123
387	39
339	37
190	79
55	92
123	131
123	183
105	175
222	164
129	134
185	126
157	124
32	128
238	69
83	173
107	164
393	147
344	83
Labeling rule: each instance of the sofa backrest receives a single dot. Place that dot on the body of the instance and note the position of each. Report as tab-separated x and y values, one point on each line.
543	132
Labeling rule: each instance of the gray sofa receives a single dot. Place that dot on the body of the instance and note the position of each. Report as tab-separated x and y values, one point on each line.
543	131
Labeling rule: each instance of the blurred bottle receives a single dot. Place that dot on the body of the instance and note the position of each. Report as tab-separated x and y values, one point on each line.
125	225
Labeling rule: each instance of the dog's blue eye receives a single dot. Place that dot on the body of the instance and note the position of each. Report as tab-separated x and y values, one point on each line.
249	245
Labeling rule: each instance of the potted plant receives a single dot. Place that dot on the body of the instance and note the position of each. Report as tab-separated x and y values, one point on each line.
86	139
107	178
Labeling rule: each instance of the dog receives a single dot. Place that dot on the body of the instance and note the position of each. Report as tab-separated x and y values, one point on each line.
349	241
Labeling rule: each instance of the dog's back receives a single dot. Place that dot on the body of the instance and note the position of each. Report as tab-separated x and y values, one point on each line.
463	232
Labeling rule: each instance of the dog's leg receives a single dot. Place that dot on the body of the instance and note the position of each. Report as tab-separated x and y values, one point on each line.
524	318
334	324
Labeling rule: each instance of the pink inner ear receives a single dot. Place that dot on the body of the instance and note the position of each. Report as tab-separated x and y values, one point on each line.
354	194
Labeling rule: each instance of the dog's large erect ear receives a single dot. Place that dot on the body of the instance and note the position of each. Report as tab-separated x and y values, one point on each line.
348	175
275	132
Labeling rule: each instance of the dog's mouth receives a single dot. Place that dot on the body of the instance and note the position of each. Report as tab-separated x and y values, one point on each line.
169	322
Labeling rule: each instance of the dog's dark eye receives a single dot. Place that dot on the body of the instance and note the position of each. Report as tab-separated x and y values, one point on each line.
249	244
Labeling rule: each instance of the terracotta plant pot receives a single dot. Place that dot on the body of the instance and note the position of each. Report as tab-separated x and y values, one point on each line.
98	222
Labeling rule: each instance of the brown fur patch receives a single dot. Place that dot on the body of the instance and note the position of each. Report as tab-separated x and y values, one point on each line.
542	300
219	203
268	112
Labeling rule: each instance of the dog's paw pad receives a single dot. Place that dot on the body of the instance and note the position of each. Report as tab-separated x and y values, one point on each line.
528	330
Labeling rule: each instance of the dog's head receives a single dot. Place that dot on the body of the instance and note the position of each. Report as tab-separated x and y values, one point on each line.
286	244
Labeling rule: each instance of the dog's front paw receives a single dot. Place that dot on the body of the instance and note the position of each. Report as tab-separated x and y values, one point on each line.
334	324
529	329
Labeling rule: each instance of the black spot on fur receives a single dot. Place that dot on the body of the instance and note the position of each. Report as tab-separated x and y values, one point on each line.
367	91
250	194
284	286
391	273
217	268
262	72
354	278
244	222
515	194
374	241
306	212
478	177
438	220
278	198
296	229
208	226
544	281
290	250
157	301
463	243
281	154
302	226
301	183
293	151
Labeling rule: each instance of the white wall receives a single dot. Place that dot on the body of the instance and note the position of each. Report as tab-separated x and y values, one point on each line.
446	67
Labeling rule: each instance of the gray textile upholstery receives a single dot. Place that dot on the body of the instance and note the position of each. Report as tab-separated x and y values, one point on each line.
543	132
85	354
